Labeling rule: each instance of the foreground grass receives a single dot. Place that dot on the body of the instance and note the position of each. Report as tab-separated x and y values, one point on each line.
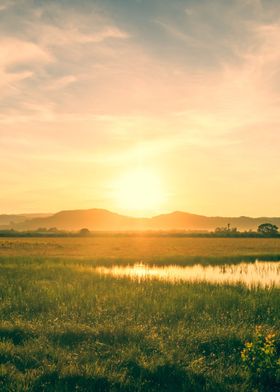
63	329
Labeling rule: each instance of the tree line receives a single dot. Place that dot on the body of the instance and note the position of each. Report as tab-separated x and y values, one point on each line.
265	230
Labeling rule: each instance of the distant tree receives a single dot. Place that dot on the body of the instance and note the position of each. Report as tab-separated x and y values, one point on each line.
268	229
226	231
53	230
84	232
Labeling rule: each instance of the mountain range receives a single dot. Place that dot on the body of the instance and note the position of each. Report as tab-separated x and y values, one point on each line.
104	220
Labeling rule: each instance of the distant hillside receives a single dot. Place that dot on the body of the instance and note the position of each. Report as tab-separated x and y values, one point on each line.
99	219
10	220
93	219
185	221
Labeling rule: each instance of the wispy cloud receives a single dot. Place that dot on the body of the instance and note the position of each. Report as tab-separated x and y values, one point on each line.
187	87
178	34
6	4
62	82
16	51
49	35
16	54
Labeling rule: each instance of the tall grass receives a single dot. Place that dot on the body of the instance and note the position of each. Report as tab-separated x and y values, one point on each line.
157	250
64	329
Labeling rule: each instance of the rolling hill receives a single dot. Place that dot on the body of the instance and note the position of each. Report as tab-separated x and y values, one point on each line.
99	219
10	220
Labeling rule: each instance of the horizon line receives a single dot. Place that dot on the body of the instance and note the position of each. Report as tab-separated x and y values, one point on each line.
139	217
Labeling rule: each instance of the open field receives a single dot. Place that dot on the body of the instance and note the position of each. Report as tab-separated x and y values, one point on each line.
147	249
66	328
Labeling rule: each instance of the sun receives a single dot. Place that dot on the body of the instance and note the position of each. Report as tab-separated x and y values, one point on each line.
140	191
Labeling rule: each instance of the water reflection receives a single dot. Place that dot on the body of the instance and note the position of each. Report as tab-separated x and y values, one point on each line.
258	274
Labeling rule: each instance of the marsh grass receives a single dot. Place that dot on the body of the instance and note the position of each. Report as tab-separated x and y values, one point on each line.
156	250
63	330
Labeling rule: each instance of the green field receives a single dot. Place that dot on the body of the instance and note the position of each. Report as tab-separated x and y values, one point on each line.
143	248
64	328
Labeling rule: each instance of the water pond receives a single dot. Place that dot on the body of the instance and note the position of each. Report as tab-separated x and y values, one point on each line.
259	274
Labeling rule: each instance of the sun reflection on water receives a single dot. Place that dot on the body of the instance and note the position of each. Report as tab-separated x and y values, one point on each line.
258	274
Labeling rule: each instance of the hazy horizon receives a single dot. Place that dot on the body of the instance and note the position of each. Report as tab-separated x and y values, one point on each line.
139	216
140	107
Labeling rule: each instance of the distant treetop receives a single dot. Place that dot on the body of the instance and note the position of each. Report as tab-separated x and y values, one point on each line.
268	229
84	232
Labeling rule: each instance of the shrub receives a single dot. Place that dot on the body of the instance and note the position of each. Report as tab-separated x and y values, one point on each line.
261	362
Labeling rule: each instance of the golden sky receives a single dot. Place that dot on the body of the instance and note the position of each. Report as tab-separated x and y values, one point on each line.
140	107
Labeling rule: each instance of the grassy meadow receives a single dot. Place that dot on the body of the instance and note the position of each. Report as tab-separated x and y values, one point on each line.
67	328
142	248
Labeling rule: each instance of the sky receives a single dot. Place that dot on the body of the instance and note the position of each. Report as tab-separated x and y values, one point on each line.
140	106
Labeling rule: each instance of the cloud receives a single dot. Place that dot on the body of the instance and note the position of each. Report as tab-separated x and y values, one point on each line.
51	48
55	25
15	53
50	35
191	88
6	4
62	82
10	79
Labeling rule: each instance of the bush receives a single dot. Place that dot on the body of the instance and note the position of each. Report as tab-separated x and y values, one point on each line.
261	362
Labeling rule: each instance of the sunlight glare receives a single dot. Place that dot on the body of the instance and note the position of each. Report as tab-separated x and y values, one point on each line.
140	191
